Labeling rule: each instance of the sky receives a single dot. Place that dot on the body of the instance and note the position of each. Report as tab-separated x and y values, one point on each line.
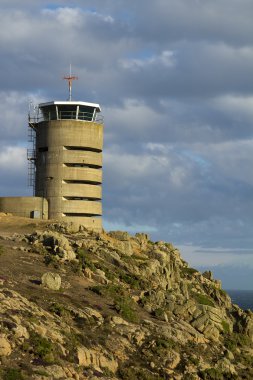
174	81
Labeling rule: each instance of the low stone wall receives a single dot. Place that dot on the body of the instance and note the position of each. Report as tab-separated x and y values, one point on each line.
29	207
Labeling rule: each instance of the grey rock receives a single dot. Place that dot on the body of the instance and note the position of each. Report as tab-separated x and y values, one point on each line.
51	280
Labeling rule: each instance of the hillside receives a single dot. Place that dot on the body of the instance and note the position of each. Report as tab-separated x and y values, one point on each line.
82	305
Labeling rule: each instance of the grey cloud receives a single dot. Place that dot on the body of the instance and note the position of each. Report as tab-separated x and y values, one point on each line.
174	79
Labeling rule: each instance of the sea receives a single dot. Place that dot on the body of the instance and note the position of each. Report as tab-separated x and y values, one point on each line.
242	298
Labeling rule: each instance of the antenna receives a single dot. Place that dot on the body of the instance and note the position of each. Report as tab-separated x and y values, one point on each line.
70	78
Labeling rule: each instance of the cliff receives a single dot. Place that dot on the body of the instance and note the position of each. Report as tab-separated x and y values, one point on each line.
82	305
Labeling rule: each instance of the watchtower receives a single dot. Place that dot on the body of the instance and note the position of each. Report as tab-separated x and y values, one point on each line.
67	160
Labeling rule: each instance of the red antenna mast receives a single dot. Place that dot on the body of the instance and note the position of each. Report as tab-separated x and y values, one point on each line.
70	78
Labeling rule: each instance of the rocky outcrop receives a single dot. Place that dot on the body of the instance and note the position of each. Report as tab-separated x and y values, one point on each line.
133	309
95	357
55	243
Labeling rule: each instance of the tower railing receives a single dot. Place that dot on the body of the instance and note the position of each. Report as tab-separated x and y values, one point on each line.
67	115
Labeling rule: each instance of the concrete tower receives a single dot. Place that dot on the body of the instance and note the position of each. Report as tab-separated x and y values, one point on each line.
68	142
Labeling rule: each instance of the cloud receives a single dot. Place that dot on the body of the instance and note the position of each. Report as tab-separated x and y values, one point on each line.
13	171
227	257
174	80
166	59
14	108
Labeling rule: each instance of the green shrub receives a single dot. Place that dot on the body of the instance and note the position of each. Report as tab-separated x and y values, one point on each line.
58	309
162	343
51	259
110	274
97	289
158	313
75	266
203	299
131	280
226	327
42	347
234	340
216	374
13	374
84	260
189	271
222	292
41	372
134	373
194	360
123	303
126	307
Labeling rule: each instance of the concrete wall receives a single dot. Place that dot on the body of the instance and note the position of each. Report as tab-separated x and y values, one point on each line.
69	170
24	206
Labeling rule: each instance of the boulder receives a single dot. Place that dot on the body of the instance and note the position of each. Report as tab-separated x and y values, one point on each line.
51	280
5	347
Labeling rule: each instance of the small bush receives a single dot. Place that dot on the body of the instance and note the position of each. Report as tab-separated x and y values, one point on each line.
158	345
13	374
211	374
123	303
234	340
41	373
134	373
162	343
125	306
225	326
131	280
158	313
189	271
58	309
203	299
194	360
42	347
97	289
84	260
51	259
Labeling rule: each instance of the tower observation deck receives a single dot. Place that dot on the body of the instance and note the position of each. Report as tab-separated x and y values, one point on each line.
68	160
